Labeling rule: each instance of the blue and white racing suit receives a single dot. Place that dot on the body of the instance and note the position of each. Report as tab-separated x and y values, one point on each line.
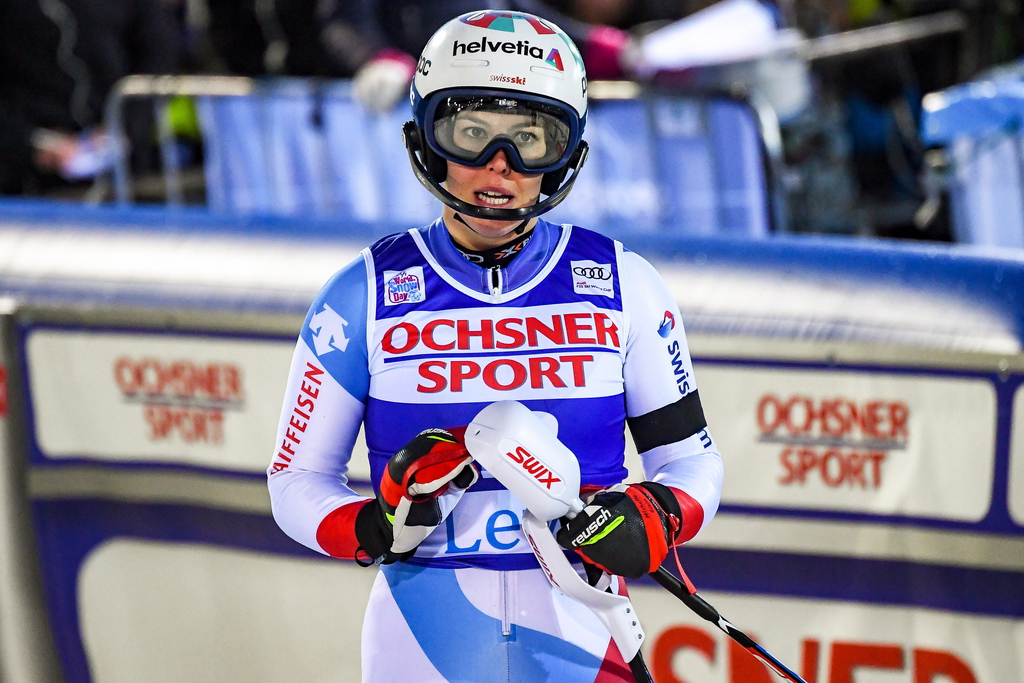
410	336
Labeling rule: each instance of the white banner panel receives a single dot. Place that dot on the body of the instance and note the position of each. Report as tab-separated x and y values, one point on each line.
202	613
827	642
1016	492
195	612
182	399
854	441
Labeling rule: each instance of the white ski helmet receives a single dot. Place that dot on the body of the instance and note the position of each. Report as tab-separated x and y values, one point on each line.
518	66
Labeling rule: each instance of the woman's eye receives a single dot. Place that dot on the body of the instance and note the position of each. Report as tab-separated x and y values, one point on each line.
526	137
474	132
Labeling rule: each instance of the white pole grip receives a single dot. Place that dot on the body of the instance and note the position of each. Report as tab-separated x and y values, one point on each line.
514	445
524	454
614	611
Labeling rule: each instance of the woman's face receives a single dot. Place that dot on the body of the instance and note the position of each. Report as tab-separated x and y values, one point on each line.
496	183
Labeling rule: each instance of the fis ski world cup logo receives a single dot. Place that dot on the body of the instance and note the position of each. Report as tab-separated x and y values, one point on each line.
404	286
507	22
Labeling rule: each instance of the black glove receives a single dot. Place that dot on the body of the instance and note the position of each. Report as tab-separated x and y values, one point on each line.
421	484
625	529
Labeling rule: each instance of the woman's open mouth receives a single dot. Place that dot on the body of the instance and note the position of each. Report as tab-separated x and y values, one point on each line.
493	198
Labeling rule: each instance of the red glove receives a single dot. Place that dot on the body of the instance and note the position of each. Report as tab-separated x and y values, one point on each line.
421	484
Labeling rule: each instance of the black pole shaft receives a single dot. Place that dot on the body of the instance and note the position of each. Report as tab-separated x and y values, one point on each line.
639	669
705	611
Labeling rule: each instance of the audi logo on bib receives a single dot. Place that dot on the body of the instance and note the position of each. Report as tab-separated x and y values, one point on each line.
592	278
597	273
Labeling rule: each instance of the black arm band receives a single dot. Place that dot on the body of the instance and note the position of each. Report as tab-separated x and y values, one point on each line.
668	424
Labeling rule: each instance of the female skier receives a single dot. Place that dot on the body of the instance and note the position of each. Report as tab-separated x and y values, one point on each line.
488	303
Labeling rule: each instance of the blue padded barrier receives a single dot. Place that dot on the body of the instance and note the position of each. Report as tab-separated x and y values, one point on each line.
405	200
739	171
298	156
686	166
298	150
986	280
986	190
354	168
669	163
235	165
660	163
620	180
980	125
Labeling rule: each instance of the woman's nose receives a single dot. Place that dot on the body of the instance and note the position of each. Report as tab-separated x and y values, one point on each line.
499	162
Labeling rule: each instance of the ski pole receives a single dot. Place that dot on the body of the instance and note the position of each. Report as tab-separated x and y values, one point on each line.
509	426
687	593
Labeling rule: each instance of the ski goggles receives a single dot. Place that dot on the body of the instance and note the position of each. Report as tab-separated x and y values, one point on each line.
470	129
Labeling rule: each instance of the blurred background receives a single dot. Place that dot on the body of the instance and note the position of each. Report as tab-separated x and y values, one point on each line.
833	189
839	86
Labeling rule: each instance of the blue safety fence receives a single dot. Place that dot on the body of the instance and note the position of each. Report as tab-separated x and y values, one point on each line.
980	124
660	162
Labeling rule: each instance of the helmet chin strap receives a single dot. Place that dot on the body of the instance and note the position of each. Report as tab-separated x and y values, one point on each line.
518	230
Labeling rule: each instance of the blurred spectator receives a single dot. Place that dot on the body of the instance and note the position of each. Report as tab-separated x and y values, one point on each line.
59	60
190	20
376	42
271	37
629	14
881	91
821	185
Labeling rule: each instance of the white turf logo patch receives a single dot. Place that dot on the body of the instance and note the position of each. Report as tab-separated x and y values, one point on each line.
592	278
404	286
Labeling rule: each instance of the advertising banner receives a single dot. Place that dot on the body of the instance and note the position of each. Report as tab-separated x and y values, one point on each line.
196	612
873	441
795	437
209	401
828	642
142	611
